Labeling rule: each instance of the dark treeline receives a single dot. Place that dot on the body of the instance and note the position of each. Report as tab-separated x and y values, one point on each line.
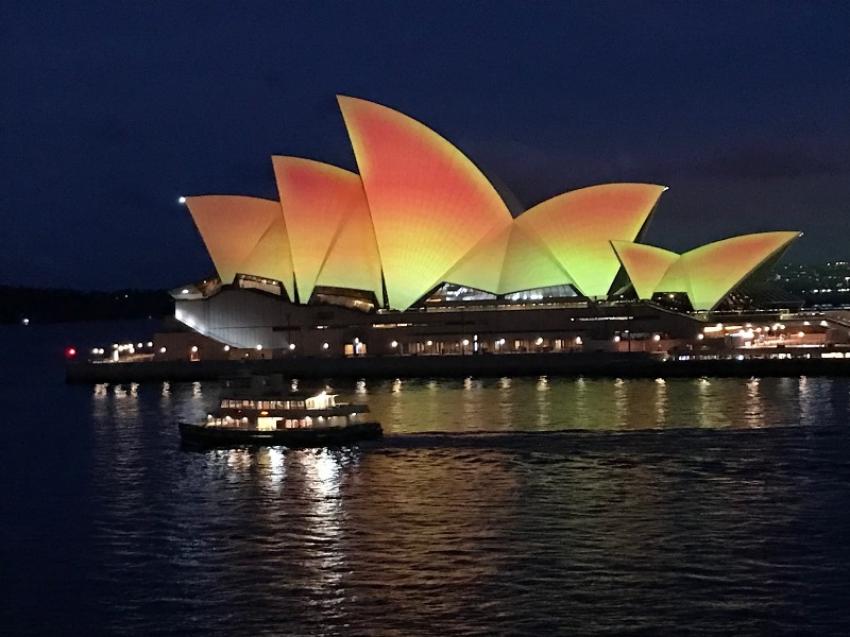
45	305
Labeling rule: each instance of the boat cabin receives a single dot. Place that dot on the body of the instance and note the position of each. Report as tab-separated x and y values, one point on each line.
266	406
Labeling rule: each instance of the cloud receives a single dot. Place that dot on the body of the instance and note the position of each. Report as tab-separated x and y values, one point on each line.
774	161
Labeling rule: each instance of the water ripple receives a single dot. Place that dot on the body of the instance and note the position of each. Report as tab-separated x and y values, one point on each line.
506	506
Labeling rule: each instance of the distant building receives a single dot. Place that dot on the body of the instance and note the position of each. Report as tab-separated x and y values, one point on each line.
419	255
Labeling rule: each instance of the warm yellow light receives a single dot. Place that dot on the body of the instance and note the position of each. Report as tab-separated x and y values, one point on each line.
194	349
578	340
227	348
394	344
259	347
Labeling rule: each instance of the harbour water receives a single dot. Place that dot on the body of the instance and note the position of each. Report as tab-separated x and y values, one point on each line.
522	506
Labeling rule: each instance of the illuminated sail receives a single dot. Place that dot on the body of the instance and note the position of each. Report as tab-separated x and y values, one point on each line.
332	239
713	270
429	204
231	227
579	225
645	265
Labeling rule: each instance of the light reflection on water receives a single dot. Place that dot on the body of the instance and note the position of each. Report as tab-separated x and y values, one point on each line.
701	506
475	534
550	403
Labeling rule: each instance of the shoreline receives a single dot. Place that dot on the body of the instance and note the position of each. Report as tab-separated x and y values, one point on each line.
590	364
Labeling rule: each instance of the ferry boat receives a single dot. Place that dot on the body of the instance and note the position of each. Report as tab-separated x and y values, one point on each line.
260	411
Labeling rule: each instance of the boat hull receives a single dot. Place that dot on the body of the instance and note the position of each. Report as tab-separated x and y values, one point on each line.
204	436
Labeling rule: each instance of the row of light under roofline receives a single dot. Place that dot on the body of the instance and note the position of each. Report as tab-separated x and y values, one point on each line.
748	332
775	327
499	342
194	349
129	348
393	344
655	337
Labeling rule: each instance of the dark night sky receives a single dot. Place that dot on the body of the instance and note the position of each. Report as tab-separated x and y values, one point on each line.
110	111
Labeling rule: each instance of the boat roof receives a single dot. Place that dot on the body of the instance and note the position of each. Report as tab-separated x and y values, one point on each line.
239	394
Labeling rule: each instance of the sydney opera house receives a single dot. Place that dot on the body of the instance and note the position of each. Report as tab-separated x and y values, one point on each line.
418	253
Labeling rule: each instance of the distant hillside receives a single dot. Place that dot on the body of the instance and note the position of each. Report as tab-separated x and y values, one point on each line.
44	305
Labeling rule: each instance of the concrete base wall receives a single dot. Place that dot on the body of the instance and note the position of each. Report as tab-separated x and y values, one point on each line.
594	364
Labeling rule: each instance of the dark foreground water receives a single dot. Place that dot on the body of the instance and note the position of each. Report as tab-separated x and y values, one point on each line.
590	507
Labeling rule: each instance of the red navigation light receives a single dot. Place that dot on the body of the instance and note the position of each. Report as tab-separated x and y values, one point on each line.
70	352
